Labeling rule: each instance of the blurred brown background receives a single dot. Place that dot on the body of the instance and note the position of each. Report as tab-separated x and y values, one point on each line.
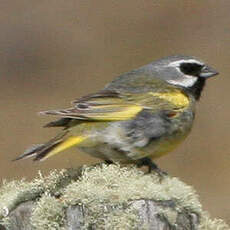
52	52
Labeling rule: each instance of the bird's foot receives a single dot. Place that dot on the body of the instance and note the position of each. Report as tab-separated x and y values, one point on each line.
151	167
109	162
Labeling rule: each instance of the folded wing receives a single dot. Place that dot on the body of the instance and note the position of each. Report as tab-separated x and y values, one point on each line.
113	106
102	106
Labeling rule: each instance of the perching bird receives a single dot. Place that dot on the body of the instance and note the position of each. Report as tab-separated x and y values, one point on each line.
141	115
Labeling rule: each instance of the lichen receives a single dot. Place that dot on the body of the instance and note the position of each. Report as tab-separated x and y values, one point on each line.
15	192
6	222
11	194
112	185
208	224
122	219
115	184
169	214
48	214
106	191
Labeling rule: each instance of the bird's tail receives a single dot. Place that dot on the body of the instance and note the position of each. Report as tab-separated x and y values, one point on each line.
54	146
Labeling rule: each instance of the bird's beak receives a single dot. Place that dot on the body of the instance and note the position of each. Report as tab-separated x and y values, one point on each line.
207	72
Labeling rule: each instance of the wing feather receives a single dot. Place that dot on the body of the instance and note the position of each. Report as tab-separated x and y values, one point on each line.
113	106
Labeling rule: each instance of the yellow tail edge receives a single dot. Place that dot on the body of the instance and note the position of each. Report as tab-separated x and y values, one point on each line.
68	143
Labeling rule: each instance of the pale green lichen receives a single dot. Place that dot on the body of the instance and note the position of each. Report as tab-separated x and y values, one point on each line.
208	224
114	184
106	192
11	194
15	192
109	217
48	214
122	219
7	222
170	214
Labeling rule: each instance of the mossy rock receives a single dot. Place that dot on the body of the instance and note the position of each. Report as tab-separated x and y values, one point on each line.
102	197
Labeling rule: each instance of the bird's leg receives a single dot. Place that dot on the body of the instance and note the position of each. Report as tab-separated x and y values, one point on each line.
151	166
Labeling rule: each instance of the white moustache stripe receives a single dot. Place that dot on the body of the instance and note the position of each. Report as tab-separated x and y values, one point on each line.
185	81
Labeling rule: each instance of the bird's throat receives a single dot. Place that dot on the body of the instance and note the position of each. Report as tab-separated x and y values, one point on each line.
197	88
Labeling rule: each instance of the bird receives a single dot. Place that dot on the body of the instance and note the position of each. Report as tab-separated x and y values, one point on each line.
138	117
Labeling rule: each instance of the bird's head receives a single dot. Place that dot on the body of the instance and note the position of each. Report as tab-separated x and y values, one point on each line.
187	72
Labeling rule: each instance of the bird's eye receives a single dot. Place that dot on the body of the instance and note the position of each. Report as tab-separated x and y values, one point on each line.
193	69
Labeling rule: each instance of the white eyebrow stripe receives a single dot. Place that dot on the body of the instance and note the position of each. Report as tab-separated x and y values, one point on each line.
177	63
